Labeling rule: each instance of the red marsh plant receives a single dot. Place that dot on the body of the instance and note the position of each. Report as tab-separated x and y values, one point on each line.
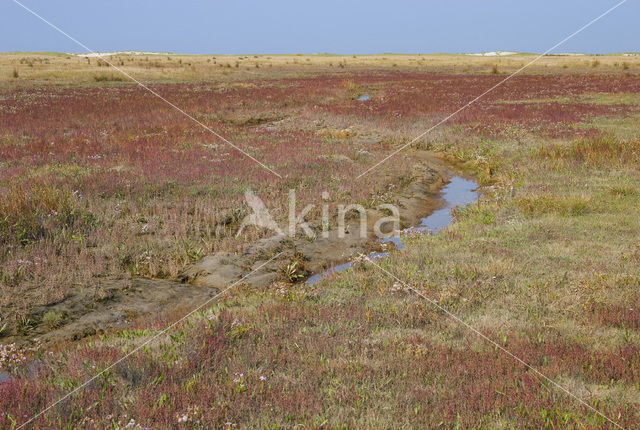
434	96
84	170
303	358
114	162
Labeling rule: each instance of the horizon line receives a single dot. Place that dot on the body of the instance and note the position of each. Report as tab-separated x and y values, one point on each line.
501	53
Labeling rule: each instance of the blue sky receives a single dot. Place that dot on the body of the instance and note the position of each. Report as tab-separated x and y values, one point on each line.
343	27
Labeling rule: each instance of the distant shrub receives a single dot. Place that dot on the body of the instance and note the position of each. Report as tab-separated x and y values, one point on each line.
15	74
494	69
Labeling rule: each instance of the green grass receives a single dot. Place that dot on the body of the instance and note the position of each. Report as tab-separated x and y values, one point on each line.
623	128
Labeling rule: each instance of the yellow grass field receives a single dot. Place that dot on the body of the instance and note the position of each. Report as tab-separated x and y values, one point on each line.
63	68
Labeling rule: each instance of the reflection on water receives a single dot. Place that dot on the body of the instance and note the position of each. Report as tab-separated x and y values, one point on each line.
458	192
364	98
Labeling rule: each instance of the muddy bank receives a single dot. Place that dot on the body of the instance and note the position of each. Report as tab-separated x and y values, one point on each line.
303	257
113	303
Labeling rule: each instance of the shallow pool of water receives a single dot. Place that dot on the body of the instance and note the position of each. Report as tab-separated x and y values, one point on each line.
458	192
364	98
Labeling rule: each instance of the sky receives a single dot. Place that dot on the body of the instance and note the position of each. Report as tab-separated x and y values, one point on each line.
339	27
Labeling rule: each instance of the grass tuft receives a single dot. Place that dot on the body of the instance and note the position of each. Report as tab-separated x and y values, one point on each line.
602	150
52	319
543	204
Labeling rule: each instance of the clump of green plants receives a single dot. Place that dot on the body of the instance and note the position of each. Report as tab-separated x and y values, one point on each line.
353	89
52	319
544	204
623	191
24	325
30	213
598	151
294	270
